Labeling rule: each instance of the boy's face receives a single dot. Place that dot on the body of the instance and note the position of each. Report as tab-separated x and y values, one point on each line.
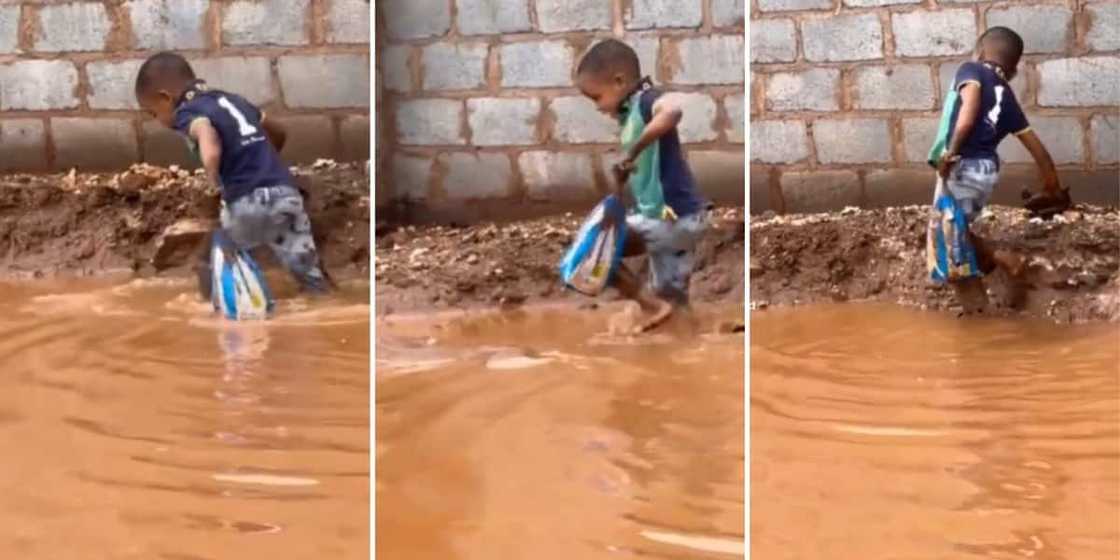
160	105
607	92
985	53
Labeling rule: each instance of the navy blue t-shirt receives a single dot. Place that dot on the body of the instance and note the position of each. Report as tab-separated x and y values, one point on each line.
1000	113
249	160
677	184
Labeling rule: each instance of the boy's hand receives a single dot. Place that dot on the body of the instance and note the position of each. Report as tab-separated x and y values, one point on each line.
945	164
1047	204
621	172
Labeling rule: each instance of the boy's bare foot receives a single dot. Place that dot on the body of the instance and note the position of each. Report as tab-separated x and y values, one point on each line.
657	312
972	296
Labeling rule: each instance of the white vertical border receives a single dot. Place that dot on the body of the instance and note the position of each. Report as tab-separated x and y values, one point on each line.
747	13
373	115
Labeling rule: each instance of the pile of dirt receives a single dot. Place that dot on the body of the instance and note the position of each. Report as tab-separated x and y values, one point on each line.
488	264
1073	273
87	224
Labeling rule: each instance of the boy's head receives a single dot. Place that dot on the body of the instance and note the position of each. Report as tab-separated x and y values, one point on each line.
1001	46
160	82
608	73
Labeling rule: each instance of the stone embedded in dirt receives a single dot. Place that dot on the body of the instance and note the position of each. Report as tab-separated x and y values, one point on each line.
180	241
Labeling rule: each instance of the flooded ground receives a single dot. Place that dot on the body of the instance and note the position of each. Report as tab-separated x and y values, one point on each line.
535	434
135	425
879	432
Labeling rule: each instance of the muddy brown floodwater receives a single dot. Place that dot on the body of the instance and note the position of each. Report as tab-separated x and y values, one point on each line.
879	432
535	433
136	425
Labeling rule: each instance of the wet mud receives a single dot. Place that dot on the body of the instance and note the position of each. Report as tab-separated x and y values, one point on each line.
1072	275
507	264
145	221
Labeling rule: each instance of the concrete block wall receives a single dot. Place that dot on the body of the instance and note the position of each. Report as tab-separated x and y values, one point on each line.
480	110
67	70
846	96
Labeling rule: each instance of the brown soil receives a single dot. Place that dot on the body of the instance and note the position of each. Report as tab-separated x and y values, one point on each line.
86	224
441	267
1073	272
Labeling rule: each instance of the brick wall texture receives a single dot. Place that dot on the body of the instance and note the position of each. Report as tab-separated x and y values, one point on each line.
67	70
846	96
479	103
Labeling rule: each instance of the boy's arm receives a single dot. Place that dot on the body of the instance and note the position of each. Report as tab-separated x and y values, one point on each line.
1046	170
666	114
966	121
275	132
209	147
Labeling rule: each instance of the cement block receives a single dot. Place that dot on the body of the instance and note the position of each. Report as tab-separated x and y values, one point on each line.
473	176
310	137
899	187
918	135
393	64
1045	29
556	16
650	14
855	140
265	22
73	27
761	198
778	141
793	5
728	13
816	89
430	122
558	175
503	121
717	59
773	40
354	133
807	192
168	24
842	38
38	85
23	145
537	64
904	86
577	121
348	21
9	29
449	66
490	17
1105	130
163	146
698	118
1104	26
112	84
736	114
720	174
647	48
416	19
94	144
878	3
1080	82
1062	136
412	177
346	77
941	33
249	77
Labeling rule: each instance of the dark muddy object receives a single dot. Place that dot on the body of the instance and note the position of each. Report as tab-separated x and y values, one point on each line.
1072	271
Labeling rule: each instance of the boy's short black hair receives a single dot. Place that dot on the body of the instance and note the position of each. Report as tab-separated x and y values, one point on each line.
610	55
162	68
1006	44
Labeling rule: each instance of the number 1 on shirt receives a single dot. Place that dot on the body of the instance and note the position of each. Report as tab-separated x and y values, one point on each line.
246	129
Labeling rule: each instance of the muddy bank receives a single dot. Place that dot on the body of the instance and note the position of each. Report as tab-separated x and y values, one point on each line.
1073	273
89	224
443	267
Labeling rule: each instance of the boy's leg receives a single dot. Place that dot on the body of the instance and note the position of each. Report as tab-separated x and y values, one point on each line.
291	239
671	247
656	309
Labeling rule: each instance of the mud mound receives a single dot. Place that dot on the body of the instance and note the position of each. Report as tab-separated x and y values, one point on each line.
507	264
88	224
1073	273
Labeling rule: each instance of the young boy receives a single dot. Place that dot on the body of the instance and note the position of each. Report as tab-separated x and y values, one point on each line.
979	113
669	215
238	147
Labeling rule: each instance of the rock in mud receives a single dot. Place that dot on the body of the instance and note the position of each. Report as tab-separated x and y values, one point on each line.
180	241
